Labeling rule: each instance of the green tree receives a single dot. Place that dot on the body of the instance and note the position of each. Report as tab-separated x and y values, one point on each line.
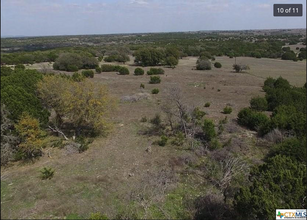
278	184
171	61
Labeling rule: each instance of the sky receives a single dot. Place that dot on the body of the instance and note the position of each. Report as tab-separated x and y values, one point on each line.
81	17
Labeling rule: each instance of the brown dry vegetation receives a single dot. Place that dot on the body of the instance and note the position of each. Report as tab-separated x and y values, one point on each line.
107	177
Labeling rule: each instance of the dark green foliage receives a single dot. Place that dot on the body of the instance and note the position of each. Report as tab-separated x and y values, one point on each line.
138	71
171	61
289	55
252	119
217	65
155	91
208	129
47	173
203	64
9	139
72	62
20	66
88	73
18	93
124	71
154	80
227	110
207	104
110	68
268	84
149	56
293	148
289	118
142	86
98	69
162	142
155	71
281	182
5	71
77	77
198	114
123	58
259	103
302	55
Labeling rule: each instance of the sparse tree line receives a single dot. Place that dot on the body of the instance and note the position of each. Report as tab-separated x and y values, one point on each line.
36	106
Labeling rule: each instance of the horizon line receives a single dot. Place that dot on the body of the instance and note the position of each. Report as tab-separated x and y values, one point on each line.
217	30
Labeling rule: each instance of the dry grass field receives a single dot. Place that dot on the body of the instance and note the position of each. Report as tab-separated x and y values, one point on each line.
108	176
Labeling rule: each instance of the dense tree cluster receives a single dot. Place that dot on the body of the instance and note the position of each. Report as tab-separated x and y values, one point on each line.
73	62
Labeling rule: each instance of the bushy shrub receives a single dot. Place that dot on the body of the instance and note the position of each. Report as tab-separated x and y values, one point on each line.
171	61
240	67
217	65
214	144
139	71
110	68
156	121
20	66
208	129
252	119
207	104
259	103
124	71
98	69
47	173
72	62
198	114
203	64
155	80
289	55
227	110
155	91
162	142
88	73
155	71
142	86
77	77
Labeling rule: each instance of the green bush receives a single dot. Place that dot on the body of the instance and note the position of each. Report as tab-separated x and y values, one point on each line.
208	129
227	110
215	144
46	173
155	91
139	71
124	71
289	55
163	141
203	64
154	80
252	119
217	65
98	69
88	73
20	66
259	104
142	86
77	77
240	67
198	114
110	68
155	71
207	104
